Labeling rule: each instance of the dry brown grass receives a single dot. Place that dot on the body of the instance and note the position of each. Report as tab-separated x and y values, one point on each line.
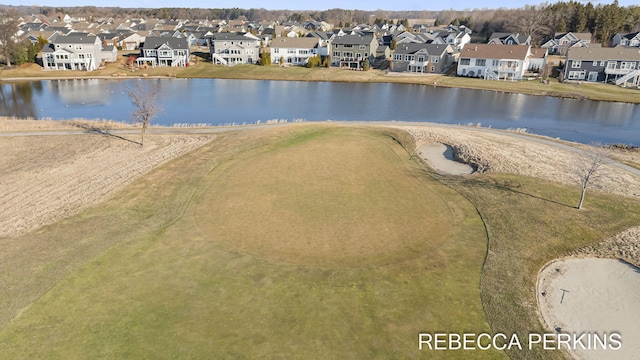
47	178
8	124
494	152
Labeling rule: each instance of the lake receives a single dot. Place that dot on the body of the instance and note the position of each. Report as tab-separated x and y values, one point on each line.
220	102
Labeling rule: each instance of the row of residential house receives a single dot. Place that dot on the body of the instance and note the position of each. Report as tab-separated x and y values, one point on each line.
76	44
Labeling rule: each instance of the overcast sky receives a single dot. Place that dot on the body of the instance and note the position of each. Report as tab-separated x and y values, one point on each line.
304	5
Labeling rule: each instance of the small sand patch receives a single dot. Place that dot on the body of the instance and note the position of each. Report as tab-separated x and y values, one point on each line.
440	158
592	296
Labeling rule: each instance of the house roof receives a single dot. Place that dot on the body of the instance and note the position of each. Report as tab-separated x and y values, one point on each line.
431	49
604	53
577	35
538	53
630	35
76	39
174	43
298	43
231	36
353	40
488	51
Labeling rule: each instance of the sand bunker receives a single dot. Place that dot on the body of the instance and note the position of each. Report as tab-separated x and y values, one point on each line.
593	296
440	158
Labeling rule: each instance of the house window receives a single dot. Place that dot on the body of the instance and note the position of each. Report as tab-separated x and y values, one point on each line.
358	55
435	59
433	68
628	65
576	75
397	57
303	52
481	62
291	51
420	58
465	61
602	63
336	53
348	45
362	47
576	64
611	64
276	50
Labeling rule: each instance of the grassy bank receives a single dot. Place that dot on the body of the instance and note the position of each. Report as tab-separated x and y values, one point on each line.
205	69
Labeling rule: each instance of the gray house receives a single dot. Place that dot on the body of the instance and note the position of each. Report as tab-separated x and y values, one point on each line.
73	52
350	51
422	58
627	39
164	51
234	48
620	65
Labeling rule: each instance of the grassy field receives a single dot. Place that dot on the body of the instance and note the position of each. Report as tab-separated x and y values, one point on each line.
204	69
302	241
296	242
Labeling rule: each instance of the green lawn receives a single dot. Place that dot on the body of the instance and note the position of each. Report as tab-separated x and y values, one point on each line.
298	242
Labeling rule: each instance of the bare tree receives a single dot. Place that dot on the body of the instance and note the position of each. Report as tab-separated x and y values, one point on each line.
530	20
588	167
8	29
144	97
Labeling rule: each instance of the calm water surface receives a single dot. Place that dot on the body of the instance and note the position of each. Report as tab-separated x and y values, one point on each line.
217	102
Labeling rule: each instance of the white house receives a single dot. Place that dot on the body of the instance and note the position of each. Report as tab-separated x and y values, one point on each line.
295	51
73	52
234	48
494	62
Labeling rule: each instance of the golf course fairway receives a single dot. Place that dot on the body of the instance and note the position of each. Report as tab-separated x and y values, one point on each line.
301	242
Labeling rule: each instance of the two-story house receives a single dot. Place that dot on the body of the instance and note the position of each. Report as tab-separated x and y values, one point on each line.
234	48
457	40
498	38
562	42
422	58
350	51
620	65
164	51
494	62
73	52
294	51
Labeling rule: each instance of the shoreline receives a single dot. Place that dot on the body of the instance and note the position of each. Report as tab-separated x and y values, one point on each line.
581	91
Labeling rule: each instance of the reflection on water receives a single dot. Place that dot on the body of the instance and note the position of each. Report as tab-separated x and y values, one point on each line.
80	92
215	101
16	99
